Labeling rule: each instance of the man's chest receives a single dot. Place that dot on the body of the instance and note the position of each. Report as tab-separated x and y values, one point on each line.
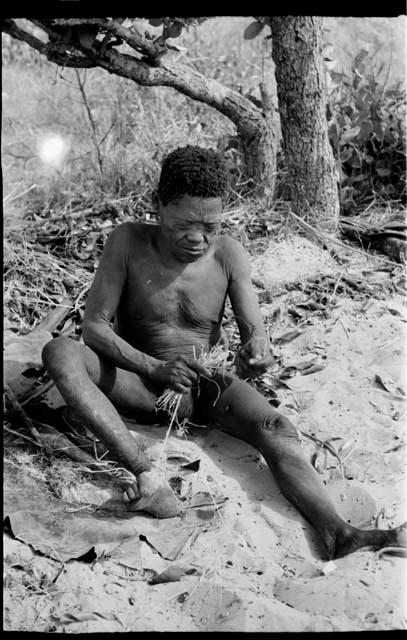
195	294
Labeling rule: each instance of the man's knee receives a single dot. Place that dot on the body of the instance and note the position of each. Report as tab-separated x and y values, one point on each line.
59	353
279	426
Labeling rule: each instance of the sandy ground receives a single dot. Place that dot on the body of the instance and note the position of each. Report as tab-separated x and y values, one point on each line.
256	564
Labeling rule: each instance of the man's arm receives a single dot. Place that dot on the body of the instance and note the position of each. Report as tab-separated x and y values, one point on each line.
101	306
254	356
104	296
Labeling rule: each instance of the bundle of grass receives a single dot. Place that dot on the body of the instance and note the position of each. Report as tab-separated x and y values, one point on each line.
170	400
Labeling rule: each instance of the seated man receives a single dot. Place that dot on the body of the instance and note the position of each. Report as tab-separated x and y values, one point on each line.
164	288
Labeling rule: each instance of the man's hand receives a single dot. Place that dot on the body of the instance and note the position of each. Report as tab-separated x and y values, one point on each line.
254	358
179	374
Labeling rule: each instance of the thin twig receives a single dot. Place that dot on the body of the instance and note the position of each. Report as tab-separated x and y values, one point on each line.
335	287
326	445
400	550
20	435
81	86
173	418
11	199
217	511
37	392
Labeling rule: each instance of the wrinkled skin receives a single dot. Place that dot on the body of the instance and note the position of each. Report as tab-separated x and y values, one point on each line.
156	302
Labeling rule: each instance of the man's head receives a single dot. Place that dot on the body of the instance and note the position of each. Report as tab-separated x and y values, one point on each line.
190	195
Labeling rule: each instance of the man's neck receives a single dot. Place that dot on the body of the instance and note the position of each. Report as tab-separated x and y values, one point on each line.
168	259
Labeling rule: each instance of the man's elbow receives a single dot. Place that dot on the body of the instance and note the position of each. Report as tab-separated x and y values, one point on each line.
90	333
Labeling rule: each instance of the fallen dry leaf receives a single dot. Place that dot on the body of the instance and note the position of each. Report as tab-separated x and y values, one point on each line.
173	574
287	337
313	369
389	385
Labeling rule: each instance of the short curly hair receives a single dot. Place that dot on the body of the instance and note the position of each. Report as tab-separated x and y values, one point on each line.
192	171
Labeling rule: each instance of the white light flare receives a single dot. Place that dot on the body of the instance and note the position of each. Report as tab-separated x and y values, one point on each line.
53	150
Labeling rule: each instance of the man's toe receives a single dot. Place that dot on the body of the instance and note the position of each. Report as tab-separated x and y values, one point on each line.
130	494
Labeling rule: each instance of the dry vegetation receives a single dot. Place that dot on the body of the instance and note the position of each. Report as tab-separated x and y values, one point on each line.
57	220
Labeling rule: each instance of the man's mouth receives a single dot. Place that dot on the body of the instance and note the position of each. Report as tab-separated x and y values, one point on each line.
194	251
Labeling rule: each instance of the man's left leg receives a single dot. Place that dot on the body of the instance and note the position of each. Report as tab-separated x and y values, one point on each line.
240	410
95	391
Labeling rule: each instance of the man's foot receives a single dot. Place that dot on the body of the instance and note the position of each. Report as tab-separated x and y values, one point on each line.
153	494
343	541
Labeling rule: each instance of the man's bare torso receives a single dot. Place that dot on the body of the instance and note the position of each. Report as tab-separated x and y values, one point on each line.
171	310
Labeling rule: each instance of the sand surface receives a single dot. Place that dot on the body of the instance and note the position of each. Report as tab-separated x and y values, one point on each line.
257	565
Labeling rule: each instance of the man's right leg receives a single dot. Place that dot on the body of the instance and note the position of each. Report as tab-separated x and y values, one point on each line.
239	409
93	389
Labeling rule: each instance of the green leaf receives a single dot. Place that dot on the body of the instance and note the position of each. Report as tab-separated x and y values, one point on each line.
346	154
333	133
382	172
361	177
356	162
378	129
173	30
252	30
359	59
366	129
336	77
350	134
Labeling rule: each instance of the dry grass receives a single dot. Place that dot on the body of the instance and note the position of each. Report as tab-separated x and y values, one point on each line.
33	282
212	360
170	400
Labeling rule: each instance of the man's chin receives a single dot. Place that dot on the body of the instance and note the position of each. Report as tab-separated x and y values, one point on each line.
191	256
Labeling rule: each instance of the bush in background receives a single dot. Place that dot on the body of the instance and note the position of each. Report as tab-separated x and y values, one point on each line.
367	132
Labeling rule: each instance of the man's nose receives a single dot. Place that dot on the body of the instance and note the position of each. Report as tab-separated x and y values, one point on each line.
195	237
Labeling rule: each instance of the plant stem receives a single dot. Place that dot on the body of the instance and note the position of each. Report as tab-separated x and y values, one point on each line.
99	157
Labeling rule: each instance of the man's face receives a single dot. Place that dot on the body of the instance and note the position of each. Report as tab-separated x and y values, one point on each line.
189	226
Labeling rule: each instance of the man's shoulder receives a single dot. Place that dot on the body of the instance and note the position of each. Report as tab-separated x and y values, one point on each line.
133	228
230	248
231	253
132	231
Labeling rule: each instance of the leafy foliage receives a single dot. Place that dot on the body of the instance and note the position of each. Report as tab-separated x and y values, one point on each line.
254	28
367	132
366	120
172	27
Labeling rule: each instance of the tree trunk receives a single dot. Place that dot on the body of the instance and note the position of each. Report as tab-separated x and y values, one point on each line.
259	149
297	54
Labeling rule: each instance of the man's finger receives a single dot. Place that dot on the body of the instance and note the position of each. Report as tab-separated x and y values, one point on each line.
186	373
183	379
131	494
181	388
197	367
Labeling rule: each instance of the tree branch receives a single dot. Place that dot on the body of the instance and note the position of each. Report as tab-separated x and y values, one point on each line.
188	81
55	53
243	113
132	36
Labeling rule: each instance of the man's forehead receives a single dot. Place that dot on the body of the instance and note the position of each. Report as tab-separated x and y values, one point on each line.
197	216
196	209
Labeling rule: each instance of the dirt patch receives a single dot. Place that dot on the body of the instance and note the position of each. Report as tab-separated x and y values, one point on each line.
256	564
